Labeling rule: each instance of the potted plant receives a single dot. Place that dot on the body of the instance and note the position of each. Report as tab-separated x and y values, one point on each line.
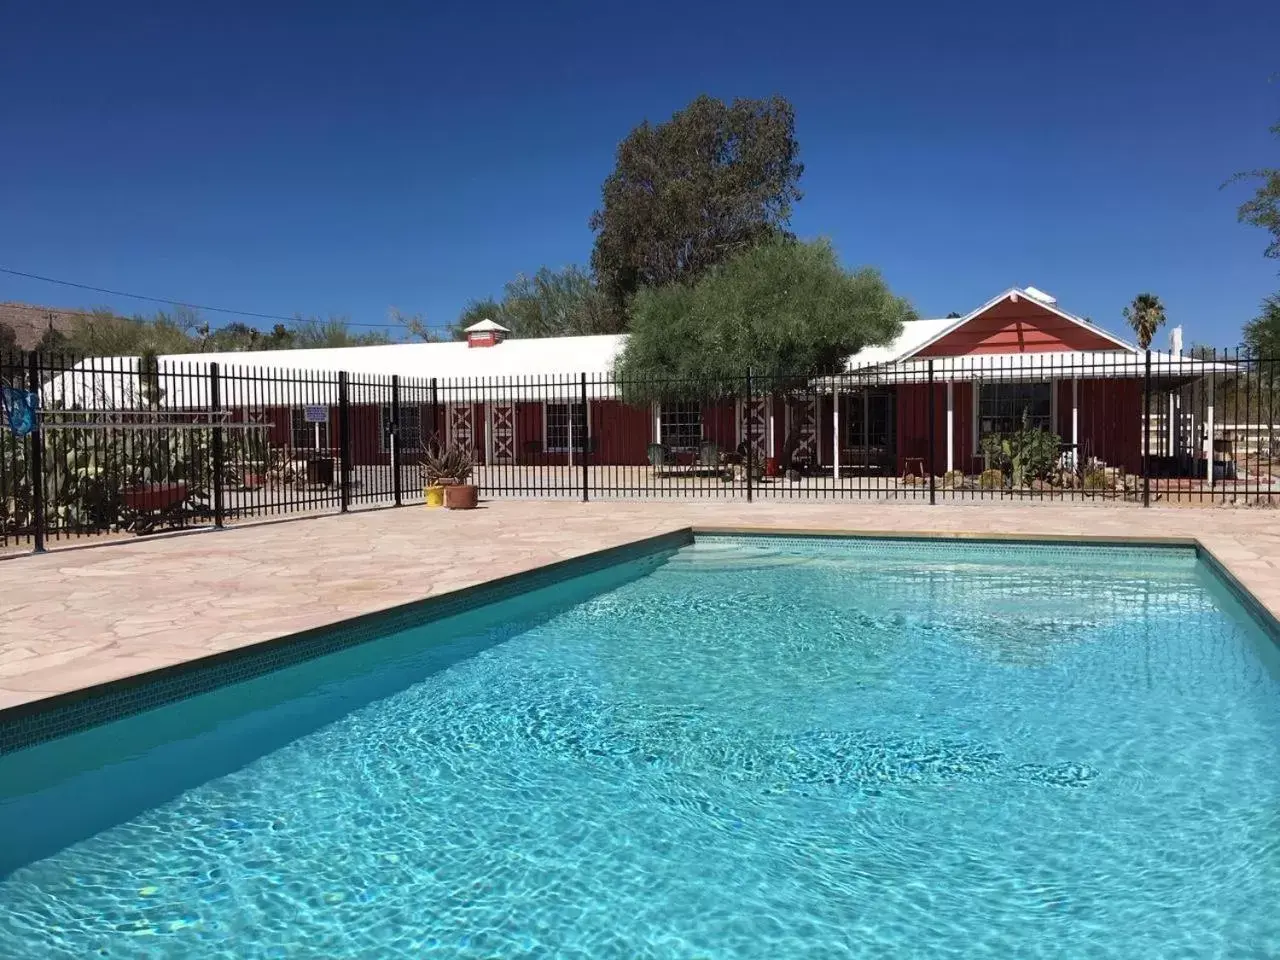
445	472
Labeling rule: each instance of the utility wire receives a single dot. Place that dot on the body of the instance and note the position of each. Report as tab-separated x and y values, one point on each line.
177	303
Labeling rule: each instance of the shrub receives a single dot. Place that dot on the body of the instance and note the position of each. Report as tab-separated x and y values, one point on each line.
1096	480
991	479
1026	454
953	478
446	463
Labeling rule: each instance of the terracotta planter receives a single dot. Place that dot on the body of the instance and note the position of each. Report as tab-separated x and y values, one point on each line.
461	496
153	496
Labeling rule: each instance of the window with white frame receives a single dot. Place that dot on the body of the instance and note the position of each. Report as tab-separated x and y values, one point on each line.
410	428
305	435
1002	406
866	418
566	426
681	425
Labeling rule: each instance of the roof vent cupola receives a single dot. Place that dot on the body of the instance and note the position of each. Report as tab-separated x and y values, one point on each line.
486	333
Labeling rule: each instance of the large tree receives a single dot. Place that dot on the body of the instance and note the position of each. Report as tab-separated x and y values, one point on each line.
689	193
1262	333
1145	315
1263	208
332	332
551	303
782	310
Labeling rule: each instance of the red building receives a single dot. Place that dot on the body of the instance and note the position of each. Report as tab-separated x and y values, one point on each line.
515	401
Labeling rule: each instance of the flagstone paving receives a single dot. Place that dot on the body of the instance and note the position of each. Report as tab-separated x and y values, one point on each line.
74	618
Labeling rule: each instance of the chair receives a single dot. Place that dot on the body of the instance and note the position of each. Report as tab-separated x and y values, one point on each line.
709	454
659	456
532	451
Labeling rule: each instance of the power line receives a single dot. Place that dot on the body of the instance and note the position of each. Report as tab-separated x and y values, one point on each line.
177	303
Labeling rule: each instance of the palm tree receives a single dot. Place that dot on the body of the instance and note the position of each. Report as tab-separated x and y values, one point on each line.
1146	316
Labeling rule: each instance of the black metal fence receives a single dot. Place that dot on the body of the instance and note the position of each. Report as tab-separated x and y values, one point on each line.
127	445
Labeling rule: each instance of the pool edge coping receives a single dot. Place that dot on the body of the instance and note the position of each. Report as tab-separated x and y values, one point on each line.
311	642
304	644
1268	620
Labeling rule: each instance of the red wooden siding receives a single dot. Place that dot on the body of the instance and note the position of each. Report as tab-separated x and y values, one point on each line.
1109	418
1111	422
912	404
366	435
1022	327
529	442
622	433
720	423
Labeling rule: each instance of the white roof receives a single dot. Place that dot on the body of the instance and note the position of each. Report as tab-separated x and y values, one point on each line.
544	368
915	335
1052	365
486	326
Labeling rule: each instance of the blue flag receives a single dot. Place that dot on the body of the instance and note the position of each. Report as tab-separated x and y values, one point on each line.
20	409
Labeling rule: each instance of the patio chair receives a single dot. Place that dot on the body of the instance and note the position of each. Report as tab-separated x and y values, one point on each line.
709	454
532	451
659	456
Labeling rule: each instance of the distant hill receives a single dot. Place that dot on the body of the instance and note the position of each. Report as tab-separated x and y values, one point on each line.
29	321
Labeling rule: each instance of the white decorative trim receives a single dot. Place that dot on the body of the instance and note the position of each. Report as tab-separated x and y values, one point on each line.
951	425
1012	296
500	435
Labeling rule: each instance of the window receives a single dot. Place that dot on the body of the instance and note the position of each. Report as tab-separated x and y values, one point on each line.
681	425
1001	407
308	436
866	419
566	421
410	428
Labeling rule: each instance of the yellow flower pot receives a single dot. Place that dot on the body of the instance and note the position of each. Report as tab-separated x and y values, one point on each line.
434	495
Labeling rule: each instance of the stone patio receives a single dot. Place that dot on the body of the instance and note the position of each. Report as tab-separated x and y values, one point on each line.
77	617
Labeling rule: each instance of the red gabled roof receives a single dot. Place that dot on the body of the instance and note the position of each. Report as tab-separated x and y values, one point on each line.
1017	322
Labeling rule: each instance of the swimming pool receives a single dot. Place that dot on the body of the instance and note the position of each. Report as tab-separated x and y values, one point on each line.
743	747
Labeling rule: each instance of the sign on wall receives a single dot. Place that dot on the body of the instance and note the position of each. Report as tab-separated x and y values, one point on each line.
315	414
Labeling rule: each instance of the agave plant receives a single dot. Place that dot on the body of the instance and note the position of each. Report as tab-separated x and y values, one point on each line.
452	462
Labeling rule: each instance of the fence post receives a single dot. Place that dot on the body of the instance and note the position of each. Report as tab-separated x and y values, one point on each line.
751	447
344	441
435	416
215	403
1146	433
37	455
933	495
586	437
395	436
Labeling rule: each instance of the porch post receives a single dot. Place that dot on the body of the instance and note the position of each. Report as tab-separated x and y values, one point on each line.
1146	432
866	429
1208	445
951	425
773	445
1172	430
932	438
835	428
1075	422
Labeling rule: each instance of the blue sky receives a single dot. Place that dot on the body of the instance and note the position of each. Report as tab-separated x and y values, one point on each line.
343	160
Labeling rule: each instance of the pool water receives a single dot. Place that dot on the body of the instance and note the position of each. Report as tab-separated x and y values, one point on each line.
748	747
